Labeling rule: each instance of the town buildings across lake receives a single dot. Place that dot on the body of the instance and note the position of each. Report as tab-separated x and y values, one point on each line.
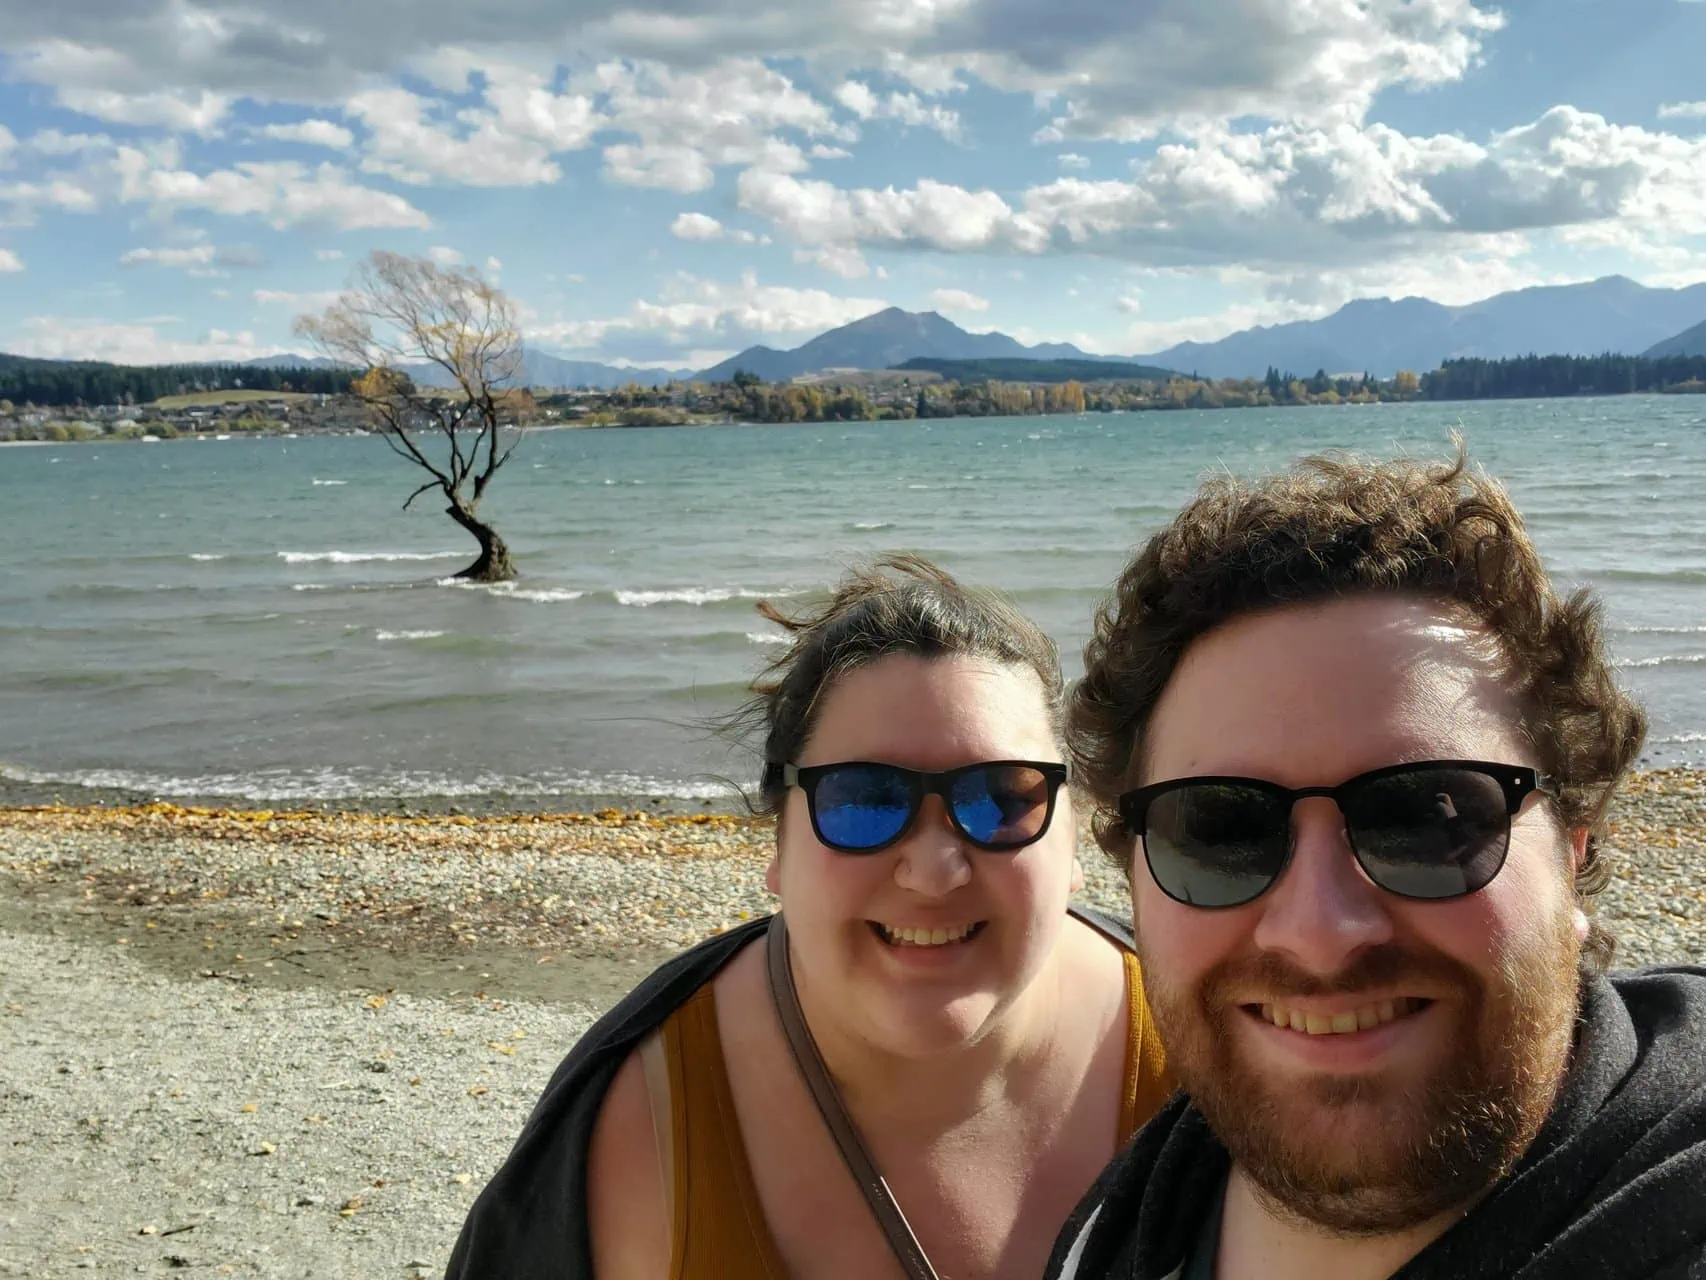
258	621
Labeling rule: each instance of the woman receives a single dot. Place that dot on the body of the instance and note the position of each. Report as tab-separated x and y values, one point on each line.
930	1063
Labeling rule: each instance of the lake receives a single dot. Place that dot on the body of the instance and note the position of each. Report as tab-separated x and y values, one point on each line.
259	619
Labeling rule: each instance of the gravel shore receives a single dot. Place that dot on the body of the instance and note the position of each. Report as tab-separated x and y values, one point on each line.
297	1045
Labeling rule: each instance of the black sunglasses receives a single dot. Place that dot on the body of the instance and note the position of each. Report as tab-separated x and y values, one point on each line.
860	806
1430	830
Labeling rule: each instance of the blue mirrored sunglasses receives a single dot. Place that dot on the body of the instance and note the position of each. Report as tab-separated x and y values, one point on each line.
861	806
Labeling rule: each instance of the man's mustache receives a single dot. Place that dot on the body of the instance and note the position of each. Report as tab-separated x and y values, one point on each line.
1270	975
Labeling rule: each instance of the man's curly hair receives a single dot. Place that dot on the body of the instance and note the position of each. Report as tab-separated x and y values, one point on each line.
1336	526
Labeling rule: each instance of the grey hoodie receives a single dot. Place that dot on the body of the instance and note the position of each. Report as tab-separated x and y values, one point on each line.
1614	1187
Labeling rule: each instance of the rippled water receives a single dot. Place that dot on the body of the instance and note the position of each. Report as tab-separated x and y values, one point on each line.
258	617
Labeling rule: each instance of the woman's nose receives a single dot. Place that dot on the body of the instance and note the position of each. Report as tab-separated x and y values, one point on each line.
932	859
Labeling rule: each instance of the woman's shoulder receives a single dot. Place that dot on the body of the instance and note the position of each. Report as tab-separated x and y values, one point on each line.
531	1219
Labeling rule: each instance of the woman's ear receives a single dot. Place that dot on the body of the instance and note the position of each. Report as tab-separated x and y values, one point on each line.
773	872
1077	874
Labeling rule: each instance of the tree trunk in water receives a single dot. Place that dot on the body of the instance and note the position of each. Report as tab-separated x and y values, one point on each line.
494	562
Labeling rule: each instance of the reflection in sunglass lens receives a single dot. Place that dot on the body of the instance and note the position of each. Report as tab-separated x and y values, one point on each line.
1216	844
1001	805
1434	832
862	806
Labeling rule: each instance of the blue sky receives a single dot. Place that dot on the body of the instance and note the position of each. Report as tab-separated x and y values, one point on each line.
667	183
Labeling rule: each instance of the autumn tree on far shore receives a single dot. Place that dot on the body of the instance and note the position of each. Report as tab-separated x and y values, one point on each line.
403	317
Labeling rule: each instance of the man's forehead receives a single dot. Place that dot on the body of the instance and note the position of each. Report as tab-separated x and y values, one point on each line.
1378	679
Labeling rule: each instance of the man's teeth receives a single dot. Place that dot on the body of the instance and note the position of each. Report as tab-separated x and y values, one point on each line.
910	937
1339	1024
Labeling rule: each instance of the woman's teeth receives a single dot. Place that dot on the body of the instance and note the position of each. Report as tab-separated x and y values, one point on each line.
1339	1024
910	937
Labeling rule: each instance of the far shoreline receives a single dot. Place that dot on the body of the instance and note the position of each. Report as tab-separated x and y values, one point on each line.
533	428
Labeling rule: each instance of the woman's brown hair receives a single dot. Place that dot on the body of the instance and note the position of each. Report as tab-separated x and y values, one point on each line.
901	604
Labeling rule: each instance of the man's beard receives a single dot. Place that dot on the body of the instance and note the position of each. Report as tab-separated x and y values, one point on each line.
1449	1136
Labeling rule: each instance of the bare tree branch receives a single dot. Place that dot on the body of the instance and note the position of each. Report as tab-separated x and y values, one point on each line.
430	484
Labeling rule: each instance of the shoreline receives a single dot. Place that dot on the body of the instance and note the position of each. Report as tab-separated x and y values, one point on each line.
17	793
1679	390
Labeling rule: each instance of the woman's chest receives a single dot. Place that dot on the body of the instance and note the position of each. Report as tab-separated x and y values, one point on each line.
985	1200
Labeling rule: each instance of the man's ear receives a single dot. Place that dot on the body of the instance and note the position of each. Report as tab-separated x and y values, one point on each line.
1578	856
1579	846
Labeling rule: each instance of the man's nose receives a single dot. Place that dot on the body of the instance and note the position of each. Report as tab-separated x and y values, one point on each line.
1324	910
933	859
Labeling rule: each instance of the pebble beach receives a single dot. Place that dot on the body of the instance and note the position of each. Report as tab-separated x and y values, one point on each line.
265	1043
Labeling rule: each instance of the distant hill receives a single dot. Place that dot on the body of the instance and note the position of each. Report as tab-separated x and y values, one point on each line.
26	380
1690	342
558	374
548	372
1017	370
1381	336
882	341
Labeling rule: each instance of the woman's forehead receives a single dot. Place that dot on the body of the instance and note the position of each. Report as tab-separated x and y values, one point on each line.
930	706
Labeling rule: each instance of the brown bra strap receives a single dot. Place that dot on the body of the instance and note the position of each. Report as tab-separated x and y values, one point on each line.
871	1184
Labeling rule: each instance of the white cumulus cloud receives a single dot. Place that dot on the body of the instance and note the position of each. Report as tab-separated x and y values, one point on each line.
1286	194
10	261
314	133
695	312
57	338
281	193
859	98
702	226
1111	68
957	300
198	255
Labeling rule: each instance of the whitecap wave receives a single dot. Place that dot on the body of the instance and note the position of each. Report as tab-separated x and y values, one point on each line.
869	526
204	558
512	591
363	557
686	595
407	635
1668	660
697	596
308	586
766	637
327	483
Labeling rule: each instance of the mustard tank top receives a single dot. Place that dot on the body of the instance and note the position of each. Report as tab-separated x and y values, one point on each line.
719	1229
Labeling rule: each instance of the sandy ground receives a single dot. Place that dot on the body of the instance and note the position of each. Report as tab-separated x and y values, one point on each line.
298	1045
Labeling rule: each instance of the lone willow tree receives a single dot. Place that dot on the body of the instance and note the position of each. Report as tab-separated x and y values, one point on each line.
403	317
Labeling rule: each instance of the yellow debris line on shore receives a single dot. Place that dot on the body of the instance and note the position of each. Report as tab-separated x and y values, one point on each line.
190	815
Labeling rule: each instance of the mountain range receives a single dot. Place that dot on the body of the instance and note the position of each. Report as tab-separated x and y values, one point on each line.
1382	336
1375	335
883	340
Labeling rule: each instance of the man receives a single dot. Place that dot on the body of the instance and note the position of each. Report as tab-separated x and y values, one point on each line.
1356	754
